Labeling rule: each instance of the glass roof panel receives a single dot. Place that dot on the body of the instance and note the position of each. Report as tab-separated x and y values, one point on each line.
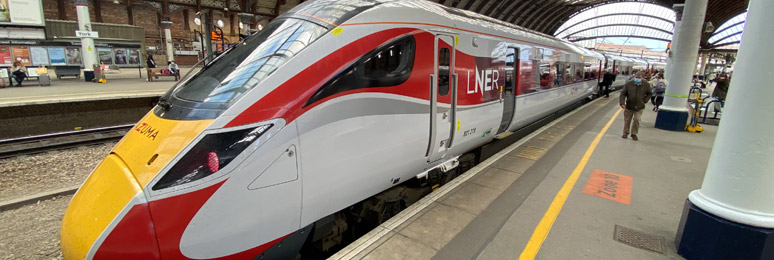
730	31
628	18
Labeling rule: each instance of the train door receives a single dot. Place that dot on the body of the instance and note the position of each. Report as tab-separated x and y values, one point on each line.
508	92
443	99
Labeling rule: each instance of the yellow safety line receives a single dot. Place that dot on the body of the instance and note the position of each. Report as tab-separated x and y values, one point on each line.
542	229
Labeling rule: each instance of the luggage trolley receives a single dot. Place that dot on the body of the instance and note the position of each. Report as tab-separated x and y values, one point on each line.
694	97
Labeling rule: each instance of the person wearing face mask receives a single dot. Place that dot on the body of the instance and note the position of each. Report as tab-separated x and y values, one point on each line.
634	95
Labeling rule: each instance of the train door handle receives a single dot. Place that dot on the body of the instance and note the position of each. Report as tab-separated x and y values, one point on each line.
445	115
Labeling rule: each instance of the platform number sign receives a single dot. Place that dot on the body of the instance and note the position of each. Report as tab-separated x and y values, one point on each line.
608	185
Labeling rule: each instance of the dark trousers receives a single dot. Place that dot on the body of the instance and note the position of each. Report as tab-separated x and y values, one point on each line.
605	89
19	77
657	101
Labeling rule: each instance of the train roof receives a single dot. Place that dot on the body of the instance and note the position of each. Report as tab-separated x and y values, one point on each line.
331	13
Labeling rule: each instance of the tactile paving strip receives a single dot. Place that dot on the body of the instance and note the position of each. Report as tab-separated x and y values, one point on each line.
639	239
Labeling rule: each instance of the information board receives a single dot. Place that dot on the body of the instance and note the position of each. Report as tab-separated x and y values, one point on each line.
57	56
39	56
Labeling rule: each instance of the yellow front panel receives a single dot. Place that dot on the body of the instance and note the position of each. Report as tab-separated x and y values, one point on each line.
159	138
105	193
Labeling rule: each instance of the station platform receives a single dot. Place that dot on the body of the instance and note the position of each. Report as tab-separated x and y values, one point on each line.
128	83
571	190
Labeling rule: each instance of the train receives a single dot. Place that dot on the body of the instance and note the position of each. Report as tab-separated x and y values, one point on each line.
328	119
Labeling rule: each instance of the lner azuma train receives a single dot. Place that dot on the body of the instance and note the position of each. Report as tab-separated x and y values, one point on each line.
315	125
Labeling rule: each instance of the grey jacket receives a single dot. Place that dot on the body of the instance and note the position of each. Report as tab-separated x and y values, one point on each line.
635	97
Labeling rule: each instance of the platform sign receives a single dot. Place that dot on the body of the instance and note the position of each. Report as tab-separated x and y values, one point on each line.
608	185
86	34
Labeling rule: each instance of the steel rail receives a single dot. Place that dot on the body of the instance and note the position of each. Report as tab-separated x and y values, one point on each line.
38	143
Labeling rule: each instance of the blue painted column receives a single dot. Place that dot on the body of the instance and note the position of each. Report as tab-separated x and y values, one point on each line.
681	64
732	215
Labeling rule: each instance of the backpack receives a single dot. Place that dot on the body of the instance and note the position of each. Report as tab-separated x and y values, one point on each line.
660	88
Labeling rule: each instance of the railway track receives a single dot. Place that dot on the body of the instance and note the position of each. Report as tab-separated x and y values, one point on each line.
62	140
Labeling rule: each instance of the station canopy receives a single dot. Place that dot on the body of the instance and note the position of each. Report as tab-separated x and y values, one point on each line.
630	20
554	16
729	34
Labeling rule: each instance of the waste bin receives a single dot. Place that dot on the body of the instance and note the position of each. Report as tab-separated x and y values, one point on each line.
88	75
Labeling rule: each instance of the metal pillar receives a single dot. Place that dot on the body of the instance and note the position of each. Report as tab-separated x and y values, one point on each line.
207	31
673	115
732	215
702	70
88	50
167	25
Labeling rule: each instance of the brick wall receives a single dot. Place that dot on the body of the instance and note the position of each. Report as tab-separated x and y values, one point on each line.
146	16
113	13
50	10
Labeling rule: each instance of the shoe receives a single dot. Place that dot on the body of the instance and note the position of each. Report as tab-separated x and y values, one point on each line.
634	137
624	136
654	109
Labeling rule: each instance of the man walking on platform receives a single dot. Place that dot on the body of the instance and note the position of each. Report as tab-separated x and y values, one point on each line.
634	95
607	81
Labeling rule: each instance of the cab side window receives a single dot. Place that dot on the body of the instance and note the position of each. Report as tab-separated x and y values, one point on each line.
386	66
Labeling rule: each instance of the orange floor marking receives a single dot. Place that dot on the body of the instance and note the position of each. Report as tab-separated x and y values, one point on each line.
608	185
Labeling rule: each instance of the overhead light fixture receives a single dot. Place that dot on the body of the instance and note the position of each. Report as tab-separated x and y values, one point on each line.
220	23
708	27
197	21
116	2
260	27
241	25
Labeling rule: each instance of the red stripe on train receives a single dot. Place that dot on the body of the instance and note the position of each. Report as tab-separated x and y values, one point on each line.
133	237
286	101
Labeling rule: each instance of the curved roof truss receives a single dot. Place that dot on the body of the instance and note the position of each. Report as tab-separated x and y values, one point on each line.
552	16
729	33
615	14
630	20
619	24
580	39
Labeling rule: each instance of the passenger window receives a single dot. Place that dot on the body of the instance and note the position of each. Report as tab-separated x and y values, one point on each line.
559	80
546	77
385	66
444	59
568	78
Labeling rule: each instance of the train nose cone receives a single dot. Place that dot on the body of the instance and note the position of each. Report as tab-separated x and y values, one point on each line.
108	217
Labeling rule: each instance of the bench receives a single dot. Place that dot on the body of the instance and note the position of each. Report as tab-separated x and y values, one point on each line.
62	71
156	72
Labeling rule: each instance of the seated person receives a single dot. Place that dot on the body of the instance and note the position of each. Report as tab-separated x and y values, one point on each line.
173	68
18	73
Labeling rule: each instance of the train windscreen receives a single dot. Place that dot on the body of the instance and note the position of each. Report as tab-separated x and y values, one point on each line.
247	64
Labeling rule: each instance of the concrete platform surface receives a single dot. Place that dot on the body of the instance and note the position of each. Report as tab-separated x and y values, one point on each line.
128	83
493	210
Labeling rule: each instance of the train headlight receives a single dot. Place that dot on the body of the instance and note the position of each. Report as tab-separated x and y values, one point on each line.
212	153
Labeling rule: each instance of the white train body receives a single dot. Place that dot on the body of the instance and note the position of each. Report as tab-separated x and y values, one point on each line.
352	100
